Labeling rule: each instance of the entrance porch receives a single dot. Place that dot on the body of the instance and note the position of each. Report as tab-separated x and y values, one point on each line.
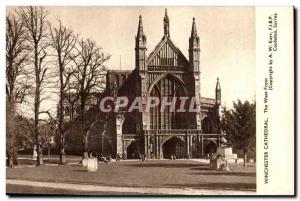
182	143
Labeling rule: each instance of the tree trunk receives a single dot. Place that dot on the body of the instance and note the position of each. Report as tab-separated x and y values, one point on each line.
86	142
37	107
62	157
39	155
11	134
85	130
49	150
245	158
12	158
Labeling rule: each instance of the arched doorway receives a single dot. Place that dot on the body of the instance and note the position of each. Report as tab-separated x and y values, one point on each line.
174	146
133	151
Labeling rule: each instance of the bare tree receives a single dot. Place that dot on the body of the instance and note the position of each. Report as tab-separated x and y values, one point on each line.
63	42
35	22
88	78
16	86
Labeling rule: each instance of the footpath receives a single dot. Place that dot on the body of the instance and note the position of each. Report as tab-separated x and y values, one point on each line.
138	190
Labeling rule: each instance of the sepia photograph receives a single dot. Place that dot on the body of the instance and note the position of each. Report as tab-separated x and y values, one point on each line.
133	101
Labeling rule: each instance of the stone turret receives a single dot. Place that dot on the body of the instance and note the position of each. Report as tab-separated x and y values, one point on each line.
194	71
140	47
218	93
194	49
166	25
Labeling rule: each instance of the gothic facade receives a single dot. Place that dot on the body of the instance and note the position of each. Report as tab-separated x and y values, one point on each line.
165	72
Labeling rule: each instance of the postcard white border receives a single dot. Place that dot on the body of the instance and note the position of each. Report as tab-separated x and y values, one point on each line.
286	138
275	100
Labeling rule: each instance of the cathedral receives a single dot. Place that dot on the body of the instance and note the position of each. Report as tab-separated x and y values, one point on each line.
164	72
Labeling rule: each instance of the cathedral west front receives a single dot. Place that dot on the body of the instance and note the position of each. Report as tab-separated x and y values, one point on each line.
163	73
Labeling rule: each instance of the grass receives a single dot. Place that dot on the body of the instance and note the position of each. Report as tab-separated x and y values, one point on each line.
152	173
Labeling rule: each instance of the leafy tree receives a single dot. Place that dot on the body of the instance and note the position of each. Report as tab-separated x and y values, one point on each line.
239	125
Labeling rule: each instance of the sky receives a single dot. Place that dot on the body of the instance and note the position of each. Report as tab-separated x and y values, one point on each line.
227	40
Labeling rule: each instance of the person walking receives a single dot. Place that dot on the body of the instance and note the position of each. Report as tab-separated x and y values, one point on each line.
143	157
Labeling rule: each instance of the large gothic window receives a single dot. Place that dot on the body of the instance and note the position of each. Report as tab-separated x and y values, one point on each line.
168	87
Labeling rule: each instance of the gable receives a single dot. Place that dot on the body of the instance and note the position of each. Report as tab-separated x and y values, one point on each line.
166	54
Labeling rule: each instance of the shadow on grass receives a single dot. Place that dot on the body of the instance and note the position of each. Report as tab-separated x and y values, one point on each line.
245	174
33	162
217	186
79	170
205	170
45	161
179	165
201	168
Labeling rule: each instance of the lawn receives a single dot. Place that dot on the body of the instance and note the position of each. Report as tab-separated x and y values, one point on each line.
151	173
